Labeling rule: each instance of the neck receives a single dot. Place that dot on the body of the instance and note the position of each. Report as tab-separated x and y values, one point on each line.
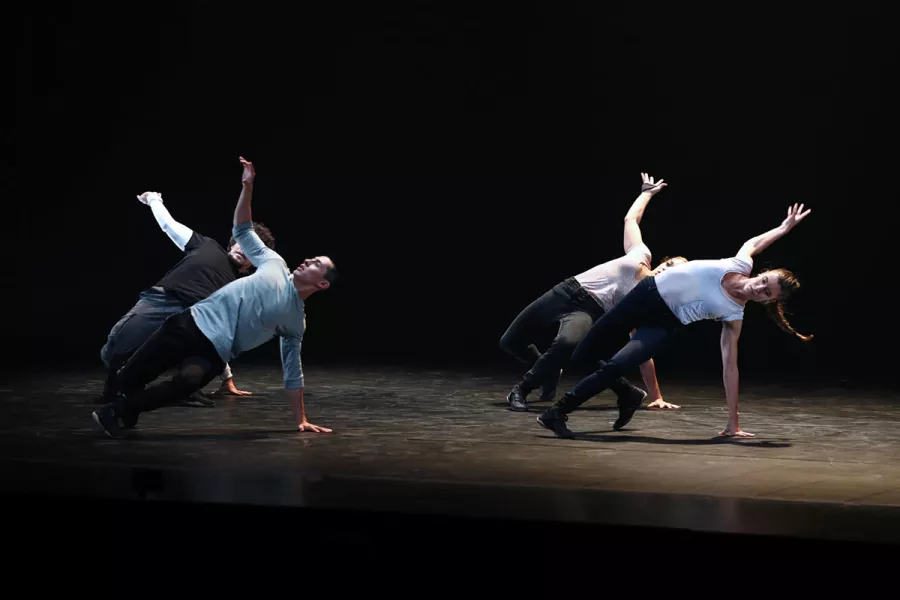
304	291
736	287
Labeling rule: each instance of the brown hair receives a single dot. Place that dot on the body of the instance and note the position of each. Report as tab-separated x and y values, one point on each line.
789	284
666	259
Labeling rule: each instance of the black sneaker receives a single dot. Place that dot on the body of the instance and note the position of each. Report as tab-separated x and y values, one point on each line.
107	418
627	406
555	421
516	399
198	400
548	390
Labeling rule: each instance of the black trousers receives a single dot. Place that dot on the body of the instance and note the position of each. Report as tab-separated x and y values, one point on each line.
575	309
177	344
642	309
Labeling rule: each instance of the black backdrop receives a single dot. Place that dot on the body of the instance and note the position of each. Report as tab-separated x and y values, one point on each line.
456	162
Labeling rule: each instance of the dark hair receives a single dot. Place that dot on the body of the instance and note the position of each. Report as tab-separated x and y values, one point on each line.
262	231
789	284
331	273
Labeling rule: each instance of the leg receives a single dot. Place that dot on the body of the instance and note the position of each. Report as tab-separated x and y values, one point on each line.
551	307
538	315
646	342
177	343
132	330
545	371
633	311
194	372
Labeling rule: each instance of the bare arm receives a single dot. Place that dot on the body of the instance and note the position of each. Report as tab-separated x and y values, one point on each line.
648	374
731	332
636	212
296	397
757	244
242	212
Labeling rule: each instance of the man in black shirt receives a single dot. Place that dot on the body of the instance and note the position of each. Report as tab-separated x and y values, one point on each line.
205	267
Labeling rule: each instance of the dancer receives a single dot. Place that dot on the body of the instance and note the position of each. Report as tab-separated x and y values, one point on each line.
240	316
576	303
661	306
205	267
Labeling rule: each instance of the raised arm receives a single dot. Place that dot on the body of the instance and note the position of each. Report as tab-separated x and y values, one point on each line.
177	232
252	247
757	244
731	331
242	212
649	188
293	383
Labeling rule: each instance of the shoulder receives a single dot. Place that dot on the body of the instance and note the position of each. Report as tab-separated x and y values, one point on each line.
243	228
198	239
742	263
640	253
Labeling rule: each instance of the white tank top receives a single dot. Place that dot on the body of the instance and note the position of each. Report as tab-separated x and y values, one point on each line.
609	282
693	290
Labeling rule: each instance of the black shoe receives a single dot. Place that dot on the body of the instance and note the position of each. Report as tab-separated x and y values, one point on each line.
516	399
555	421
627	406
199	400
129	421
108	419
548	390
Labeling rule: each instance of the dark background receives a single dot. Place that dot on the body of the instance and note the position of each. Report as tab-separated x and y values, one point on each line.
456	161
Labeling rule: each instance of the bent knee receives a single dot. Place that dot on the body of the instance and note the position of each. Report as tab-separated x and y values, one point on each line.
192	375
508	343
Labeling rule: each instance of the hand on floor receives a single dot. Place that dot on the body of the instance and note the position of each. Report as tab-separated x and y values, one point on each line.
660	404
227	389
730	432
307	426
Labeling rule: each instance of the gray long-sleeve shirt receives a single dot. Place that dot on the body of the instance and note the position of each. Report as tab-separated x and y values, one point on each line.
252	310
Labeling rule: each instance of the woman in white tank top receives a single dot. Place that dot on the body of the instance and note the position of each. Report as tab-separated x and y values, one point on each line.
658	307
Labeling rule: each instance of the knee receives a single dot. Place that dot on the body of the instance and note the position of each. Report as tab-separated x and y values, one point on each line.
612	367
191	376
566	341
111	357
507	343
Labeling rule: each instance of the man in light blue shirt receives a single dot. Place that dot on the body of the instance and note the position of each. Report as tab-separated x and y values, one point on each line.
240	316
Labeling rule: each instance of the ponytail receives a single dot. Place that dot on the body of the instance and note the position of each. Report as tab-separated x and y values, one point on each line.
789	285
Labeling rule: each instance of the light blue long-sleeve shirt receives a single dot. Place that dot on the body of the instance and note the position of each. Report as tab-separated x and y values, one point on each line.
252	310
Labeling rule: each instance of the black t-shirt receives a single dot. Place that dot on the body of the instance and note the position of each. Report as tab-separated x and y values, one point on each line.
204	269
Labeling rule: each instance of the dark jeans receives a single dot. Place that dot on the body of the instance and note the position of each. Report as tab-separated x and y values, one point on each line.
152	309
575	310
642	309
179	344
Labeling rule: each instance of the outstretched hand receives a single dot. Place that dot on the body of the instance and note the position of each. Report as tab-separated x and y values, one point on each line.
650	186
794	216
249	173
